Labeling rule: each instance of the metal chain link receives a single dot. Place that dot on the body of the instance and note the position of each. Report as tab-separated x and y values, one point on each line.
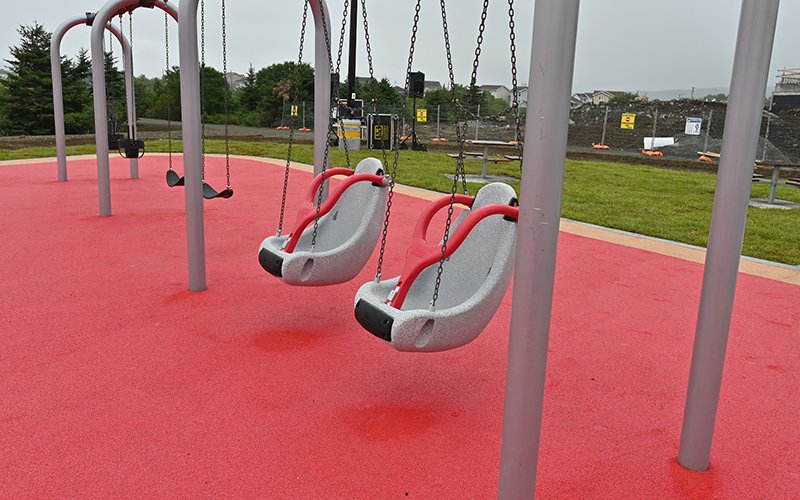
372	80
291	127
342	35
169	94
132	76
514	80
226	100
393	173
461	130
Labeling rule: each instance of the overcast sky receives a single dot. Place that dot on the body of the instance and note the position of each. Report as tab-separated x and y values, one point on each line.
633	45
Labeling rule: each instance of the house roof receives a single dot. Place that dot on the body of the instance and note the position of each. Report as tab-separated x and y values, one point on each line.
493	87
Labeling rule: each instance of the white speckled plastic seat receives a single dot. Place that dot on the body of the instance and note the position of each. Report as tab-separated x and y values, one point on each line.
349	228
474	279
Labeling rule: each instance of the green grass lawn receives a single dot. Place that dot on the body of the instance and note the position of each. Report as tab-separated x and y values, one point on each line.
671	204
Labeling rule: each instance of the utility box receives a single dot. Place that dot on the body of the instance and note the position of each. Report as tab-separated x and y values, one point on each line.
381	130
350	131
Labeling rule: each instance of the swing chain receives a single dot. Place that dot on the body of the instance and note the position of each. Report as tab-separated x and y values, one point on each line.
291	127
132	75
342	35
461	129
226	100
169	95
515	80
395	161
372	81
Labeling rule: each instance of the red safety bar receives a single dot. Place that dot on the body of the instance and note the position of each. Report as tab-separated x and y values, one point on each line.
422	254
308	211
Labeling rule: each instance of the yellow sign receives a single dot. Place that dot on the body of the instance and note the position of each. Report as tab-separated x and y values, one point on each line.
422	116
628	121
295	111
380	132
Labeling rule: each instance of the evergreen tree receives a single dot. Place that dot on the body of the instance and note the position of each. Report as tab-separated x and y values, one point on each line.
249	95
27	103
115	94
77	91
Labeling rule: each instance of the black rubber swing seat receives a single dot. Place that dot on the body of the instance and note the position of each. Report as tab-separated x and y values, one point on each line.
210	193
131	148
174	180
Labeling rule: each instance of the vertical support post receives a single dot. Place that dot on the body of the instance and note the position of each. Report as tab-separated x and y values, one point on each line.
766	137
773	186
552	63
192	143
740	145
708	131
100	111
439	121
322	83
605	127
351	68
478	122
655	124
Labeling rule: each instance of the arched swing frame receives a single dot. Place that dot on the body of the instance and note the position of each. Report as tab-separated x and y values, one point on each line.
58	91
102	18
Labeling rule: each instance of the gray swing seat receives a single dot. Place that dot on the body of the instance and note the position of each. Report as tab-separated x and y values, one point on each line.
350	223
475	277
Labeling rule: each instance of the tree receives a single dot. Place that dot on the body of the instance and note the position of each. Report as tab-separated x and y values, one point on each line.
278	83
249	95
27	102
716	97
624	98
77	91
116	98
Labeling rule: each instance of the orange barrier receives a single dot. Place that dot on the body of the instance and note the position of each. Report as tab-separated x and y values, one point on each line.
705	159
652	153
599	146
439	139
304	129
284	127
516	143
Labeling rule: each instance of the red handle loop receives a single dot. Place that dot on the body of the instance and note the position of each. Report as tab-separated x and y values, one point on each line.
308	213
421	254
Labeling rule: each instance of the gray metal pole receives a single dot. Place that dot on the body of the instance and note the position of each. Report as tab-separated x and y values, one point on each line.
708	131
478	123
739	148
552	64
192	143
102	18
58	93
605	127
130	96
439	121
655	123
322	82
766	137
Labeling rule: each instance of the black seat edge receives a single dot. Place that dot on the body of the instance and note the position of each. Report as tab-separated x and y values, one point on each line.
271	262
374	320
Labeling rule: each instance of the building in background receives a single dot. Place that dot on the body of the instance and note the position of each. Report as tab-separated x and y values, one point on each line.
235	80
787	92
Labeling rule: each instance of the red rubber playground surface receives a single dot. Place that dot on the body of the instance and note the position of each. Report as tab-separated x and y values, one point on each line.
116	382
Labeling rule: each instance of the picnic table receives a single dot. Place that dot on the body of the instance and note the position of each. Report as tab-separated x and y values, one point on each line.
485	156
775	181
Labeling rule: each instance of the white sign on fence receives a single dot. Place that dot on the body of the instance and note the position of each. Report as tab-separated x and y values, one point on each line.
693	126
